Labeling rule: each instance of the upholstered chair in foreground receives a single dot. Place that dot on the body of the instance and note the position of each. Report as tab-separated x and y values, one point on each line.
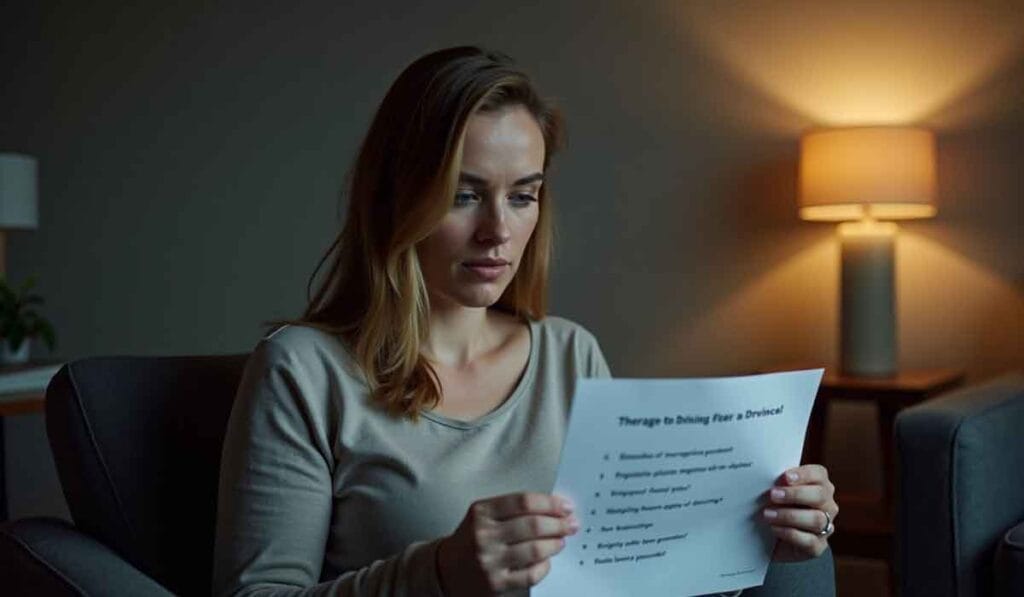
961	492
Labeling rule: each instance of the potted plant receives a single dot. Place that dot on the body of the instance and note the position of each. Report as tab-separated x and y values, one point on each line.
19	322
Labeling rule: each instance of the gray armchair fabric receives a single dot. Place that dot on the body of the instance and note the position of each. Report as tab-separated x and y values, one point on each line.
137	444
136	441
961	489
49	556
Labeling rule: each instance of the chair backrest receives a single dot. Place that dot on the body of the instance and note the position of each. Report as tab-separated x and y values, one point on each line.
137	444
960	485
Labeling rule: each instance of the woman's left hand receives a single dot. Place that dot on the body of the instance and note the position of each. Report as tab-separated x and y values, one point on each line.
797	505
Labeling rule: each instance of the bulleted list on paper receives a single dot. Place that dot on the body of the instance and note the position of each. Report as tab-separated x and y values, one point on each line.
669	477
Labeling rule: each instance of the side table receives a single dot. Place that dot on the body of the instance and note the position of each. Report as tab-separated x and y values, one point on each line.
22	391
866	527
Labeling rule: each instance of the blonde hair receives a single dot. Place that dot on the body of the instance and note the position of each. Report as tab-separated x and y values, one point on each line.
399	188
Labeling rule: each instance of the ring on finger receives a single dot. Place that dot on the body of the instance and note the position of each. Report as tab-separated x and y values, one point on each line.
829	528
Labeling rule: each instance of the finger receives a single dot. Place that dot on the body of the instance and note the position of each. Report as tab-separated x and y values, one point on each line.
527	577
813	496
511	505
808	474
528	553
536	526
805	519
802	541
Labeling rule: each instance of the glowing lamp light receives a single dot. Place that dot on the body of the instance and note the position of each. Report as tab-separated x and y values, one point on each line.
862	175
882	173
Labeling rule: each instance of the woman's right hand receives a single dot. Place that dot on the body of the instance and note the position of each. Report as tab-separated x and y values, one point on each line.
504	543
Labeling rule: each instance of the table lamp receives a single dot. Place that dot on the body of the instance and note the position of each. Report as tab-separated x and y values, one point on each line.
860	176
18	193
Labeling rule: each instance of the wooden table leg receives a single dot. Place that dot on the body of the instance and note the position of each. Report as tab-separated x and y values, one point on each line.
814	441
887	443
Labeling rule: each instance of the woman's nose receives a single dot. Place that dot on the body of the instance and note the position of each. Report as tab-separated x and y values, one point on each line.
493	226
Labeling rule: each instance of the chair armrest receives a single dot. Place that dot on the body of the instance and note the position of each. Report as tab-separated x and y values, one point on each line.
960	485
49	556
811	578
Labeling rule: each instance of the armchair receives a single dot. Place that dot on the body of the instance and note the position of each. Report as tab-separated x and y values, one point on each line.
136	441
961	492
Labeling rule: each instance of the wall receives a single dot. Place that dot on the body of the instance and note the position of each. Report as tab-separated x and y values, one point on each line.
191	156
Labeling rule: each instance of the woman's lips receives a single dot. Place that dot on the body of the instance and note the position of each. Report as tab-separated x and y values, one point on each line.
486	272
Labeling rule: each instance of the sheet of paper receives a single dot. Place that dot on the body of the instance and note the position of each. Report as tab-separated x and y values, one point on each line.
669	477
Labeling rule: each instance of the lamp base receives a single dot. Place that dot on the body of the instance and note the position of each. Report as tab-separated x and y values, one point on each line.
868	305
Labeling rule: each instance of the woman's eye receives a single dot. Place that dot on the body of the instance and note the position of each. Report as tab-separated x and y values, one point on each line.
523	199
464	197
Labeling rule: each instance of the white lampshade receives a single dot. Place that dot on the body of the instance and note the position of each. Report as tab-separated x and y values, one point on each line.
18	191
867	174
885	173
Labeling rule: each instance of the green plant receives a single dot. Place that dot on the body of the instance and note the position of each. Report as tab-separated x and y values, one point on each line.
18	321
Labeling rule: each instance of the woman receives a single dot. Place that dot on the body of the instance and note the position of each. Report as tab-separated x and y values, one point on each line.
402	438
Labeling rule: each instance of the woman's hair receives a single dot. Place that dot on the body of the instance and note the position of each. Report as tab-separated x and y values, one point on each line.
399	188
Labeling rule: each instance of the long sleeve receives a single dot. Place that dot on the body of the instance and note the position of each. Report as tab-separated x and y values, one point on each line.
276	493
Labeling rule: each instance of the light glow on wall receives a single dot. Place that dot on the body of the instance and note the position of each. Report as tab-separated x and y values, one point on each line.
853	63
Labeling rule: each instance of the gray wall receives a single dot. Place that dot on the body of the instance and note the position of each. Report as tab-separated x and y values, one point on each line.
191	156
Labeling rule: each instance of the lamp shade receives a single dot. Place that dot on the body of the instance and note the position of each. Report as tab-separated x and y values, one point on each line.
18	191
885	173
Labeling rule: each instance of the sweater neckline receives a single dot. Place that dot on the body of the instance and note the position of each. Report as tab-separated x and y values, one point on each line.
508	404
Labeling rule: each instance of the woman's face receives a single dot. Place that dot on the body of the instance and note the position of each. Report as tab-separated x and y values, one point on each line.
472	255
